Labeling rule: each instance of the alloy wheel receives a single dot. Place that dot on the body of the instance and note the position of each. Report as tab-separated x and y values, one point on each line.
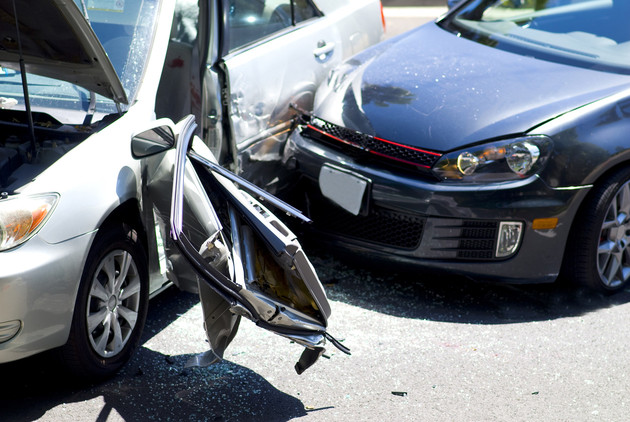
613	253
113	303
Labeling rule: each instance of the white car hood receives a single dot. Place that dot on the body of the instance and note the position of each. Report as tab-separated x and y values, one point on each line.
57	42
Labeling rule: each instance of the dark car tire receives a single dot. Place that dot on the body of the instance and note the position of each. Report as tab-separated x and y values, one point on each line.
116	310
598	249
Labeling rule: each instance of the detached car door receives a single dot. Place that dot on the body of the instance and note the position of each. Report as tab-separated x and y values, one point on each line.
242	260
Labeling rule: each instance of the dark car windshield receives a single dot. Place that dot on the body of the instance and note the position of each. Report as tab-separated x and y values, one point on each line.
589	33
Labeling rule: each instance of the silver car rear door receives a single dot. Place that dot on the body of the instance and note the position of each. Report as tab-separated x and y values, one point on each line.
276	53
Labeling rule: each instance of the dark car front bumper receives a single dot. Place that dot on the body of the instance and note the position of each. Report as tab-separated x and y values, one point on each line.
416	220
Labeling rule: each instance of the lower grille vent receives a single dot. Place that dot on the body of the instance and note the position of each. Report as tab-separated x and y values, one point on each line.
381	226
465	239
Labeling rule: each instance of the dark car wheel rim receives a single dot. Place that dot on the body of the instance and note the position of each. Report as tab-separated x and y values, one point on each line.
113	303
613	254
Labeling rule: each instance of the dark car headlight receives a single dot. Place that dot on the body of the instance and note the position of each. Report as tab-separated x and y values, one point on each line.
498	161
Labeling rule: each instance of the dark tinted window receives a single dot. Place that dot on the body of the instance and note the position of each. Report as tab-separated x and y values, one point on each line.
252	20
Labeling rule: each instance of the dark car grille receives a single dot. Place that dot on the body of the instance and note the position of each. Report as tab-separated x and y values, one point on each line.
357	143
464	239
478	240
381	226
439	238
467	240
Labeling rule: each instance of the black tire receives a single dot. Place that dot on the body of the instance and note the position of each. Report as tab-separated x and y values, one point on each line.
99	349
598	249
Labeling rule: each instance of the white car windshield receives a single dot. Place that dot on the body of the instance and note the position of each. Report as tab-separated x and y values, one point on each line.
589	33
125	28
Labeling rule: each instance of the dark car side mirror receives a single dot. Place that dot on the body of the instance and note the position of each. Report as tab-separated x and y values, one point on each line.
152	141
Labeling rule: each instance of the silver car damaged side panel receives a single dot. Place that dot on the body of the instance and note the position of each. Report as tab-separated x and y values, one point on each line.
266	78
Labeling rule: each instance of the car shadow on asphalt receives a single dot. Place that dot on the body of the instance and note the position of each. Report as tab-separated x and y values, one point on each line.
447	298
152	386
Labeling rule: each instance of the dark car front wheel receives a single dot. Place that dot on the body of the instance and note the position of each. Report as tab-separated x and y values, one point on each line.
111	305
599	246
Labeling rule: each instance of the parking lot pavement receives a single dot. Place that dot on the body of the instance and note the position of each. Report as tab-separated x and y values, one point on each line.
400	19
413	3
424	347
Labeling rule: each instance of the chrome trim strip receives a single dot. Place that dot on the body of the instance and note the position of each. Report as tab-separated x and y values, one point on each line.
278	203
177	199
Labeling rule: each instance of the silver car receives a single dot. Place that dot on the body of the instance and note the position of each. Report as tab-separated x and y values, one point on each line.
104	201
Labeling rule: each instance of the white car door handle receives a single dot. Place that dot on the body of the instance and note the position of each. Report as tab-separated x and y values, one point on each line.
323	50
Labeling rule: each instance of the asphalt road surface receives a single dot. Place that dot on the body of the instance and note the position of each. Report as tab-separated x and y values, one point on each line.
425	347
403	15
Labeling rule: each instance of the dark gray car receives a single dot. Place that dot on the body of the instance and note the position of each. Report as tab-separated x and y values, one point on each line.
493	143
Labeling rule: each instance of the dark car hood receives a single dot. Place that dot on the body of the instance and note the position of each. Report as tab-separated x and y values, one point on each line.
59	43
432	89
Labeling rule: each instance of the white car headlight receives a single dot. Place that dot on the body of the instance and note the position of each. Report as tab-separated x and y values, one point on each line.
499	161
22	216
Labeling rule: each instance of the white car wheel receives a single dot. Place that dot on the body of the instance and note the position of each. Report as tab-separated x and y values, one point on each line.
111	305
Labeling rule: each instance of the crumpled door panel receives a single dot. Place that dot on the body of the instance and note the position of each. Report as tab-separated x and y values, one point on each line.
244	260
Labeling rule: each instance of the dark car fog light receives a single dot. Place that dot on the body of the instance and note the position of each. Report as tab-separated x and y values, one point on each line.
508	239
8	330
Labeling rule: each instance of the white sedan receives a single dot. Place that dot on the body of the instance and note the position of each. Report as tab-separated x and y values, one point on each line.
91	224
